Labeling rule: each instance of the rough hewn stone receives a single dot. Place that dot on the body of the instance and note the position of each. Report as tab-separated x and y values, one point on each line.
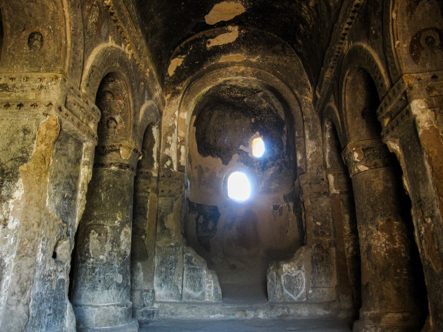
98	218
199	283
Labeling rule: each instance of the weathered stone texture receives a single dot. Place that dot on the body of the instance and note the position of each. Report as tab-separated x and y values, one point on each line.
199	283
291	281
121	121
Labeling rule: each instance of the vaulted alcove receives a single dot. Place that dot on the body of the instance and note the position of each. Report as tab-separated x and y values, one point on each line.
239	237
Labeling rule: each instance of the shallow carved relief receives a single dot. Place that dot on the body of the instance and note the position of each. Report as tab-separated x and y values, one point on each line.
199	283
290	281
419	31
112	99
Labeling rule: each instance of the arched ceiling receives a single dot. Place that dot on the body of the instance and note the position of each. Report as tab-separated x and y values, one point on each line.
306	25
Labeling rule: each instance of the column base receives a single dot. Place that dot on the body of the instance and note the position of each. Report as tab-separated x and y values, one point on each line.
389	322
115	317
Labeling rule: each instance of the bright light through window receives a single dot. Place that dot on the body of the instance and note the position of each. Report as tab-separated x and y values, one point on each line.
239	188
258	147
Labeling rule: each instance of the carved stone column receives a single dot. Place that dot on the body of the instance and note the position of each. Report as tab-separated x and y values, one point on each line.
388	302
101	289
412	128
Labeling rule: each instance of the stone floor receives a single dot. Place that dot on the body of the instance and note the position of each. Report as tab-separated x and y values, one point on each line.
249	325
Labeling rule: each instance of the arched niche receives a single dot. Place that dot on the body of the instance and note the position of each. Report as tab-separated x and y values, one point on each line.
101	270
114	103
361	101
238	239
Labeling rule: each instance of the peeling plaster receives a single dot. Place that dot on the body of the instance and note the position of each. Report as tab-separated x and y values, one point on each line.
177	62
224	38
182	155
224	11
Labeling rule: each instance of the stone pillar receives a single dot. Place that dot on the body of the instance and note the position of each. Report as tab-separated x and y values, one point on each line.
144	230
47	139
388	301
413	130
101	285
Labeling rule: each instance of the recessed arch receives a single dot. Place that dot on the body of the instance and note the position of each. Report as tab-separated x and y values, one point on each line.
362	56
248	103
105	59
360	104
199	87
113	100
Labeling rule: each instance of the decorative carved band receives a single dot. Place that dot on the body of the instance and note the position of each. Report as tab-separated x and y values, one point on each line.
124	148
393	103
121	156
394	112
363	156
113	165
53	93
348	14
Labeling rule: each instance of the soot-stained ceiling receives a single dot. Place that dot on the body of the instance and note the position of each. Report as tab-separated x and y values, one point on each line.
306	25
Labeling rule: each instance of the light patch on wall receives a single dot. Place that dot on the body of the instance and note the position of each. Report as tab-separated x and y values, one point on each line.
156	134
177	62
224	11
224	38
239	187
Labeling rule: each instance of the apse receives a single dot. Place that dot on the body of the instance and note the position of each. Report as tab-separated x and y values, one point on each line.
240	168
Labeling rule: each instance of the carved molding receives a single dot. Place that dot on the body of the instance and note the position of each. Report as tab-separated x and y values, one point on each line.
135	44
394	112
122	156
53	94
114	165
363	156
348	15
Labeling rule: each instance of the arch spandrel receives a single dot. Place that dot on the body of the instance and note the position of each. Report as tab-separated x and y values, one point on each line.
416	28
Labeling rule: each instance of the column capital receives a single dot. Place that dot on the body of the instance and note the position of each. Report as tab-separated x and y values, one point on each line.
119	156
49	94
366	155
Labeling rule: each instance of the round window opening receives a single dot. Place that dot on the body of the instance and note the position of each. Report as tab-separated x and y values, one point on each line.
258	147
239	187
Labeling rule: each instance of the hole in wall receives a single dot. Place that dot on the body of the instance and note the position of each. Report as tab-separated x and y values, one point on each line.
35	41
239	186
258	147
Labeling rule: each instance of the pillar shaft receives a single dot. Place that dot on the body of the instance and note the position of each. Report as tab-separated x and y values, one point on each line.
101	289
388	301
